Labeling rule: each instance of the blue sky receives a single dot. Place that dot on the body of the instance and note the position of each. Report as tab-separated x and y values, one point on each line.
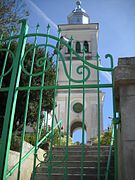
116	20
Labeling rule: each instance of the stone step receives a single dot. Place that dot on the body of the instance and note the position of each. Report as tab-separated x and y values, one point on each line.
41	176
90	163
89	152
73	170
78	157
79	148
78	163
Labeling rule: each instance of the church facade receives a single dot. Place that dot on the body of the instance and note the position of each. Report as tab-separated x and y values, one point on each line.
85	36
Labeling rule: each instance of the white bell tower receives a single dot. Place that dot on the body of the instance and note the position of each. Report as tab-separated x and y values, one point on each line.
85	34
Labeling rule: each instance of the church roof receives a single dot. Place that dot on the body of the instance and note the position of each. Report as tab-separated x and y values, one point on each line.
78	15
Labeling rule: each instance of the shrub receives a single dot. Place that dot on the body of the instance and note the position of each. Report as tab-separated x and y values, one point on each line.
31	138
105	138
15	142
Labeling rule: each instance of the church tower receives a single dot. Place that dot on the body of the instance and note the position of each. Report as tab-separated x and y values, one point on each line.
85	35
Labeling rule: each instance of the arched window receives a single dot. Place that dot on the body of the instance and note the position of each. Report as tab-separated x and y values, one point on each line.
70	46
86	46
78	47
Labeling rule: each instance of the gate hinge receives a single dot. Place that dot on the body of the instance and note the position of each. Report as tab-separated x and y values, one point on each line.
116	120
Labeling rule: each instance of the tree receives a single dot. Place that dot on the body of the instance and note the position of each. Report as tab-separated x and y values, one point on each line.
48	95
10	14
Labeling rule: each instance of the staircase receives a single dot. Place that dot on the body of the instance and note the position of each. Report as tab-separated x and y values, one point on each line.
90	164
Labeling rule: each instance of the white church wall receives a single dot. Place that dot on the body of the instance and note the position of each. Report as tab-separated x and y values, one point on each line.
80	32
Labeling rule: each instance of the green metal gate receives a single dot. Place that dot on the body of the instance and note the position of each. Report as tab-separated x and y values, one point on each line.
17	68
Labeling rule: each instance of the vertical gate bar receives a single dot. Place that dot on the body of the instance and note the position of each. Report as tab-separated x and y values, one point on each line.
5	60
40	107
54	110
41	128
26	107
83	118
68	111
115	153
60	135
110	153
115	126
59	127
11	102
98	91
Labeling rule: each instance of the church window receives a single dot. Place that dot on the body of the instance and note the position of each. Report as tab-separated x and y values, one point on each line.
77	107
78	47
86	46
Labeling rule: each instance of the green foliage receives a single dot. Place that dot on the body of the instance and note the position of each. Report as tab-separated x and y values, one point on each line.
63	141
10	14
77	143
57	140
15	142
105	138
31	138
48	95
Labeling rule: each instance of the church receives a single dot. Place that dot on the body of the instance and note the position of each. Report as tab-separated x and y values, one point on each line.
78	107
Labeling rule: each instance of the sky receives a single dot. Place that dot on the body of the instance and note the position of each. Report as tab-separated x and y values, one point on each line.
116	20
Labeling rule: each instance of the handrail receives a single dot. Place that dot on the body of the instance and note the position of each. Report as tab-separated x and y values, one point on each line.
31	150
110	154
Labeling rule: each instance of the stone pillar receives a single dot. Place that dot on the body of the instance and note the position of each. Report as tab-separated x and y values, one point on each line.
125	102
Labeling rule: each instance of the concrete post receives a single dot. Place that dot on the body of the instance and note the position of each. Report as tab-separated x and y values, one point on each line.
125	102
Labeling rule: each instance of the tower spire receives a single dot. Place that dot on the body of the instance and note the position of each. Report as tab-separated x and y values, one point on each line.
78	3
78	15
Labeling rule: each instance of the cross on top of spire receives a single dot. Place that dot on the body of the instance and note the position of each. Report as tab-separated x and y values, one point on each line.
78	3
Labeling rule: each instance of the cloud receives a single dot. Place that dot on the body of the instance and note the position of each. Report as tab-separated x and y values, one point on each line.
42	14
107	75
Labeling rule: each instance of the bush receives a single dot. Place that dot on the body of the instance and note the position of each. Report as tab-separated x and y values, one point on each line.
31	138
63	141
15	142
105	138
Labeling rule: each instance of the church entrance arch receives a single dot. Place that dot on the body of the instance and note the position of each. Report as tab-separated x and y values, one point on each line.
76	131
